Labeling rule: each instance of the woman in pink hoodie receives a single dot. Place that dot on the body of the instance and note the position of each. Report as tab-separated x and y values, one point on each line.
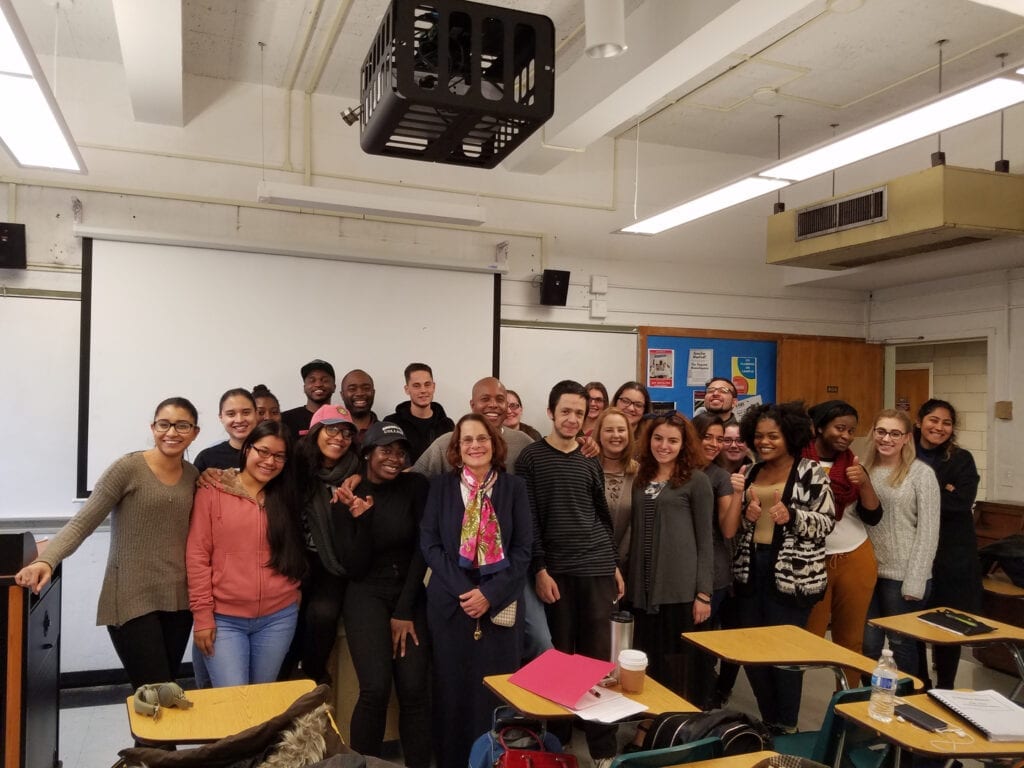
245	560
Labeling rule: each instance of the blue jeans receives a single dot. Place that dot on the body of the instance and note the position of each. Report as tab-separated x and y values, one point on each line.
537	637
887	600
251	650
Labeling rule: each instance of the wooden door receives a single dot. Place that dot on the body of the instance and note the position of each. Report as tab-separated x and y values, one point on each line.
913	387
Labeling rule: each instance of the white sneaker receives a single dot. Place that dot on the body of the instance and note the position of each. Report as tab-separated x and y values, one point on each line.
604	762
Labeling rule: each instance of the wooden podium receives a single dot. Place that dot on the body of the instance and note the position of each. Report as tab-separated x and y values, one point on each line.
29	661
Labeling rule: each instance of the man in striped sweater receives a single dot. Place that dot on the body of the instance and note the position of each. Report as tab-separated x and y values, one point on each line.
574	567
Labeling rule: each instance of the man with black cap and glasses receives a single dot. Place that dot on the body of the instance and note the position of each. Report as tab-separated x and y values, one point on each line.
318	385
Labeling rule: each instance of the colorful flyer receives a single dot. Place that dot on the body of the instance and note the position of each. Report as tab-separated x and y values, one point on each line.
660	368
744	375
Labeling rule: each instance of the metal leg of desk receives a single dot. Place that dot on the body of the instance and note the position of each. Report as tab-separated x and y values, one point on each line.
1018	657
840	678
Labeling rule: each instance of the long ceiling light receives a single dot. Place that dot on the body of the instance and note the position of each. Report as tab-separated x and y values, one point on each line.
299	196
940	115
32	128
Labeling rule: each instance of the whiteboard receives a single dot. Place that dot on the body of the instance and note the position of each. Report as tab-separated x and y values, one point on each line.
39	363
169	320
533	360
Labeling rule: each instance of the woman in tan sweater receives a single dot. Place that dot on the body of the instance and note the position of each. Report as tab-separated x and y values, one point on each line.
144	598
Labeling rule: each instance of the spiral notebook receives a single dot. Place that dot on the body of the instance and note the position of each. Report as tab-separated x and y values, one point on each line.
989	711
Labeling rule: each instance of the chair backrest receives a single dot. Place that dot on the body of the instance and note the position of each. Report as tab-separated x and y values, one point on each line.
702	749
832	726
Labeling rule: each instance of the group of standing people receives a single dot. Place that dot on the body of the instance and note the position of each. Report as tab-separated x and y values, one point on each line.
287	533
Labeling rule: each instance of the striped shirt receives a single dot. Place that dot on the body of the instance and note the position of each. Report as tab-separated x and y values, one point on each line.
572	528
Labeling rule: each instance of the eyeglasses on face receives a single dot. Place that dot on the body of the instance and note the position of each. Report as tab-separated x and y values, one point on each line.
595	400
266	453
718	391
333	430
181	427
625	402
468	440
732	441
892	434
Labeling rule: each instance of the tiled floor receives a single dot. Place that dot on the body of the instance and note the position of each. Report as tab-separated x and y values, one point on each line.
90	737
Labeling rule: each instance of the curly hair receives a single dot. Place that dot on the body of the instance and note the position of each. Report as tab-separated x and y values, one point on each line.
690	457
794	424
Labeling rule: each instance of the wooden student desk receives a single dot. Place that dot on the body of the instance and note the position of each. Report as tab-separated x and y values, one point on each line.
784	645
733	761
1007	634
656	697
1001	585
919	741
216	712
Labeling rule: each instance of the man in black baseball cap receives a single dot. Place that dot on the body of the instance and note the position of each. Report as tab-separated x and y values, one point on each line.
318	385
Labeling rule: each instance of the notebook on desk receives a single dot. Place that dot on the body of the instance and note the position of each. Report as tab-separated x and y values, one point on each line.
961	623
989	711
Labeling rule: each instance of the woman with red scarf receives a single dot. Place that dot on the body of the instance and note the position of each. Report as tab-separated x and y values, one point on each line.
851	565
477	538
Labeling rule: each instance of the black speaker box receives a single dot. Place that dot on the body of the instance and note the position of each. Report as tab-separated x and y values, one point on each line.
12	246
554	287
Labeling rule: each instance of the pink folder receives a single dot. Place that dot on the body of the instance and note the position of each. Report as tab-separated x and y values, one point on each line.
562	677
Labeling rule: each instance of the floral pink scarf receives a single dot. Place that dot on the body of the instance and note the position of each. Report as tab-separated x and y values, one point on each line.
480	542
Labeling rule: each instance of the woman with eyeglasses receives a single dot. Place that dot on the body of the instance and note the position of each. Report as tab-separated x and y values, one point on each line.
851	566
615	440
378	543
324	459
671	560
956	576
734	454
245	563
476	536
907	535
144	598
514	404
779	559
633	399
237	412
597	401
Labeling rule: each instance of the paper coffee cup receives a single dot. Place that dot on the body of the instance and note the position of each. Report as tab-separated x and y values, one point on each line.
632	670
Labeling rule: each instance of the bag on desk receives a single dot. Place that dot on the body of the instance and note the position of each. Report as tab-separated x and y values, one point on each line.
740	734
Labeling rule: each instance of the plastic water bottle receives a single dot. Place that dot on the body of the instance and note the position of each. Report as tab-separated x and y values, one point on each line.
883	688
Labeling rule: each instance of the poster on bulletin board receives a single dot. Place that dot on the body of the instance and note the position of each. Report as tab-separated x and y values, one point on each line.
749	365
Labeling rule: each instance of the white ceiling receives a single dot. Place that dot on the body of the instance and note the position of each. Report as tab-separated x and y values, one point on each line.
845	62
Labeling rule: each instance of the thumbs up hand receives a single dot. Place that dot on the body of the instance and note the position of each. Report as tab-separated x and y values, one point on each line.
778	511
753	511
856	473
739	479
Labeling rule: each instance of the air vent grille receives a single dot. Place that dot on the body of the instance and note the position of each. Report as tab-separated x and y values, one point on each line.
844	213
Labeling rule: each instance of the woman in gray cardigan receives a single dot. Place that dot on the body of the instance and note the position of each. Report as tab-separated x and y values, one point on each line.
671	562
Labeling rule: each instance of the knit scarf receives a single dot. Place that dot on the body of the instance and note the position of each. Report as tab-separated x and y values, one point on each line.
480	542
843	490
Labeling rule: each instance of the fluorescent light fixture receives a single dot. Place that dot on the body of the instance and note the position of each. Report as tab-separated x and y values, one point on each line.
32	128
738	192
938	116
324	199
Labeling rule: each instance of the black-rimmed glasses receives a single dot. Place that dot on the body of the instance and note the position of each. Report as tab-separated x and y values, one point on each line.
181	427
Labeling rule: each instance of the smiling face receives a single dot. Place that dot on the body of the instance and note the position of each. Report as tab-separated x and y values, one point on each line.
570	410
267	409
490	401
614	436
838	434
385	462
334	446
265	459
420	388
769	442
318	386
711	443
172	443
890	435
238	415
595	403
734	448
936	428
666	442
515	412
631	402
475	448
718	397
357	392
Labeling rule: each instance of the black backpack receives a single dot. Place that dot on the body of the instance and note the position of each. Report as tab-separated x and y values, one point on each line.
740	734
1009	554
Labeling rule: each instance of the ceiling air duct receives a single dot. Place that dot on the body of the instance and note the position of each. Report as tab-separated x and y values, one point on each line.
456	82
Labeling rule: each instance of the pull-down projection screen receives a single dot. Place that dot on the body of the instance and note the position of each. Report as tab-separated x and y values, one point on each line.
166	320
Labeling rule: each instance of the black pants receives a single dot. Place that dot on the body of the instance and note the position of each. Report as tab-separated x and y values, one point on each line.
318	619
368	608
673	661
151	646
580	623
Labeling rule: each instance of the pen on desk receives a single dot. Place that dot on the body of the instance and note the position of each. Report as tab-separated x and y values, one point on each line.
595	692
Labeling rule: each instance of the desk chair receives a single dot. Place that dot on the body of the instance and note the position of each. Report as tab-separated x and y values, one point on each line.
826	745
702	749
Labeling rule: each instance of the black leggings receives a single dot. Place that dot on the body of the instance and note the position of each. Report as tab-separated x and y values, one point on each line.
151	646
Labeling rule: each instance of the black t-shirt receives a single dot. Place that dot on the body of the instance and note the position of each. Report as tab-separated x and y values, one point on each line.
219	456
297	420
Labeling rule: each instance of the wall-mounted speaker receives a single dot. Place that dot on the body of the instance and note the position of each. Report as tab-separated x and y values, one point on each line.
12	246
554	287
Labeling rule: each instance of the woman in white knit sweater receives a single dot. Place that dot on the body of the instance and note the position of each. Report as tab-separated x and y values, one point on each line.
906	538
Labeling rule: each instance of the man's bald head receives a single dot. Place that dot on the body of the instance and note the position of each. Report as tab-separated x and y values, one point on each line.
489	400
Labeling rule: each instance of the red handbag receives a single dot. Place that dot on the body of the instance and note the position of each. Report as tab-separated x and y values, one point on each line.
531	758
